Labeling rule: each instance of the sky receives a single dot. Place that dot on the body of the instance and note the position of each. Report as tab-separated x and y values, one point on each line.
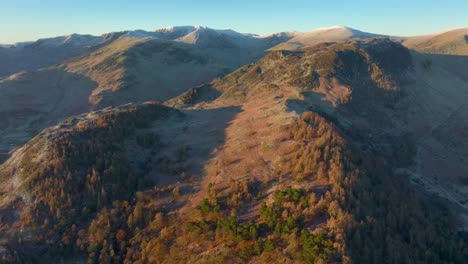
28	20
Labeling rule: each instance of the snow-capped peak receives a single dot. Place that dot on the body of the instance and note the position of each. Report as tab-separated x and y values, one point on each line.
186	29
286	34
333	28
139	33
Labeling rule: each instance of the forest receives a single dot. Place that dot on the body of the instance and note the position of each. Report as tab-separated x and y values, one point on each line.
108	214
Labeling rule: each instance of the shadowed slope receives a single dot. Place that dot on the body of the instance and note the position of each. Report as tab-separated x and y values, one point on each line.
32	101
47	52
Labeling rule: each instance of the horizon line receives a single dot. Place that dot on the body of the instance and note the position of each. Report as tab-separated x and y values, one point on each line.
214	28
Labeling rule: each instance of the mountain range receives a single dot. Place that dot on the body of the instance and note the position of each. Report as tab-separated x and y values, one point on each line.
192	144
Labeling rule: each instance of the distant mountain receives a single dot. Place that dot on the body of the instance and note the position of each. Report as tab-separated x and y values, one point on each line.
49	51
191	34
114	69
71	40
16	45
453	42
329	34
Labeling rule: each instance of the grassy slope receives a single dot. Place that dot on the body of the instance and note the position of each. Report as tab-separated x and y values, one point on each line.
312	38
452	42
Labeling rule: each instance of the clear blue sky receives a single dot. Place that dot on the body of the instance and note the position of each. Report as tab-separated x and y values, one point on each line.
22	20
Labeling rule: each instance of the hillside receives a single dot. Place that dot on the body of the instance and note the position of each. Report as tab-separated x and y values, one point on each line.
330	34
132	67
300	157
413	98
450	42
47	52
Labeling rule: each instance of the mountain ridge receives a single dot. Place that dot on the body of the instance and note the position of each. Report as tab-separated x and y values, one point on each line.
195	27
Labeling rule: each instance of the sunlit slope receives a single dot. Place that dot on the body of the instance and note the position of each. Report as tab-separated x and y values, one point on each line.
330	34
451	42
